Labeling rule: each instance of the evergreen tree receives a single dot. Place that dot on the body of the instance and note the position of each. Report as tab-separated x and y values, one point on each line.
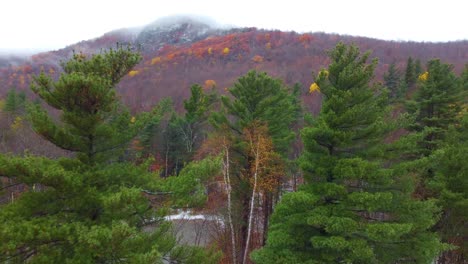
450	183
197	110
258	97
15	102
436	104
257	101
95	124
352	209
88	209
149	133
392	81
417	67
410	73
464	78
183	134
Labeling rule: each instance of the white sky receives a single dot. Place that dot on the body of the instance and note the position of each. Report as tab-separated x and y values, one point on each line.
33	25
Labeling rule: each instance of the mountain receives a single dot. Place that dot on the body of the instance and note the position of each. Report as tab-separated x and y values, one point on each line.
7	60
180	51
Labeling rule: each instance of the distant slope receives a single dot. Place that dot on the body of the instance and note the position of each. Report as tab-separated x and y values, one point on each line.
186	51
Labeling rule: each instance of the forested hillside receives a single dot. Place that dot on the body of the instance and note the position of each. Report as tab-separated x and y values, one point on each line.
279	147
187	51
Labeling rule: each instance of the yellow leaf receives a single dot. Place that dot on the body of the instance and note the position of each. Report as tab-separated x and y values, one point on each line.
423	77
133	73
313	88
132	120
17	123
226	51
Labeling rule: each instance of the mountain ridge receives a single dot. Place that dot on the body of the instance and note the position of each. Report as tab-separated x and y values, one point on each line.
176	55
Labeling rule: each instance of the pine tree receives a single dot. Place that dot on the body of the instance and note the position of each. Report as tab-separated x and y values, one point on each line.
437	108
256	98
436	104
184	133
417	67
392	81
95	124
89	209
410	74
464	78
450	183
352	209
189	127
259	97
149	133
15	102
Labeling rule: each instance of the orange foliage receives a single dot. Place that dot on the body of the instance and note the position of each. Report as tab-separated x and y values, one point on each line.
257	59
136	145
209	84
222	45
21	79
270	166
157	164
155	60
305	38
170	56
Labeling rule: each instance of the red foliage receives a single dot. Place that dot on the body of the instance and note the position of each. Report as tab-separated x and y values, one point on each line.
170	70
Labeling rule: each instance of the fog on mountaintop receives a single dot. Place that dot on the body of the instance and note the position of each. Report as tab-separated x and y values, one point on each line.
188	18
160	23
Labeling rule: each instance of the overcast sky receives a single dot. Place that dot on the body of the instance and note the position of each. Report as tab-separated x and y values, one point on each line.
38	25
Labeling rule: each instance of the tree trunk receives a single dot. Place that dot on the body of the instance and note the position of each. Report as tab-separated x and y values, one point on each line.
227	183
252	203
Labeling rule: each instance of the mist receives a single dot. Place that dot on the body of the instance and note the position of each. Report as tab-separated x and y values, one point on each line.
180	18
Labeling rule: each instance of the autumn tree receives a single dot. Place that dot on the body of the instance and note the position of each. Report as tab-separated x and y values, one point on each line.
352	208
219	144
92	208
265	177
255	98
